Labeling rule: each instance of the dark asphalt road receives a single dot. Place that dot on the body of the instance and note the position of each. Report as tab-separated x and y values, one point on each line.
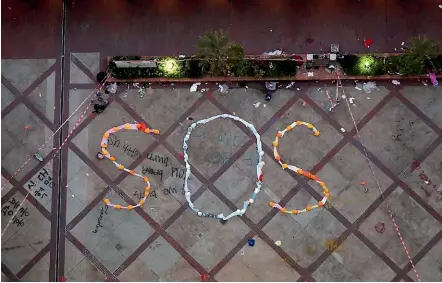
32	29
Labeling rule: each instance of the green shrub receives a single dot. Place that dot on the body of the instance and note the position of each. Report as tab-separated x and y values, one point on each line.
364	65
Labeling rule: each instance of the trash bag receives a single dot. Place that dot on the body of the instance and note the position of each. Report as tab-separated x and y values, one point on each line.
368	87
112	88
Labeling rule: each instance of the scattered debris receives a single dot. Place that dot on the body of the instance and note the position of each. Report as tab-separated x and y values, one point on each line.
257	104
141	92
365	190
100	156
73	196
440	6
223	88
363	183
403	43
395	82
343	130
278	243
380	227
39	94
182	156
304	103
112	88
368	87
290	85
264	105
38	157
251	242
205	277
27	127
368	42
182	56
351	100
194	87
298	88
274	53
368	97
190	118
310	74
424	83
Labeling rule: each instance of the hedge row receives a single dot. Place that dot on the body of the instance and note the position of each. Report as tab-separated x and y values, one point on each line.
191	68
360	65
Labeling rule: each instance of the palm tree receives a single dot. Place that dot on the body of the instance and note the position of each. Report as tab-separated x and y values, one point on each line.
217	53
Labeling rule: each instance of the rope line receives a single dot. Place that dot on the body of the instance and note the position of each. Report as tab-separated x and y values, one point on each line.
396	227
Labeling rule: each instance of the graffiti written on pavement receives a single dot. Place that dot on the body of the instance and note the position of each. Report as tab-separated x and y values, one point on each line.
10	208
103	211
135	152
152	172
153	194
43	182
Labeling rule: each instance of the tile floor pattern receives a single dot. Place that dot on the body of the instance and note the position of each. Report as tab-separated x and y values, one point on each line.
164	240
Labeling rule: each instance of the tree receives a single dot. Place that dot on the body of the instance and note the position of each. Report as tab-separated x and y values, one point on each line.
217	54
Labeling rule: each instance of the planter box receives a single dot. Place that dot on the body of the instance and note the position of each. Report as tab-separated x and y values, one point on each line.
301	74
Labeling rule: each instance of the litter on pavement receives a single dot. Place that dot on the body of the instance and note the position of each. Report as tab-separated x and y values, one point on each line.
274	53
194	87
223	88
368	87
396	82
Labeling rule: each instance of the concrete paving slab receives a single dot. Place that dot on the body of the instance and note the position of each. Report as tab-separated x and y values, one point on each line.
7	97
249	103
180	271
90	60
85	271
333	271
362	262
396	136
72	257
159	257
138	271
77	76
163	107
39	272
304	248
426	99
270	267
388	241
426	180
187	229
43	97
418	224
429	269
23	72
300	147
26	133
126	146
236	270
7	186
219	140
106	233
324	227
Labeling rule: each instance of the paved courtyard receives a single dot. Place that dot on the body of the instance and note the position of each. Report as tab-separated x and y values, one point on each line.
64	214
